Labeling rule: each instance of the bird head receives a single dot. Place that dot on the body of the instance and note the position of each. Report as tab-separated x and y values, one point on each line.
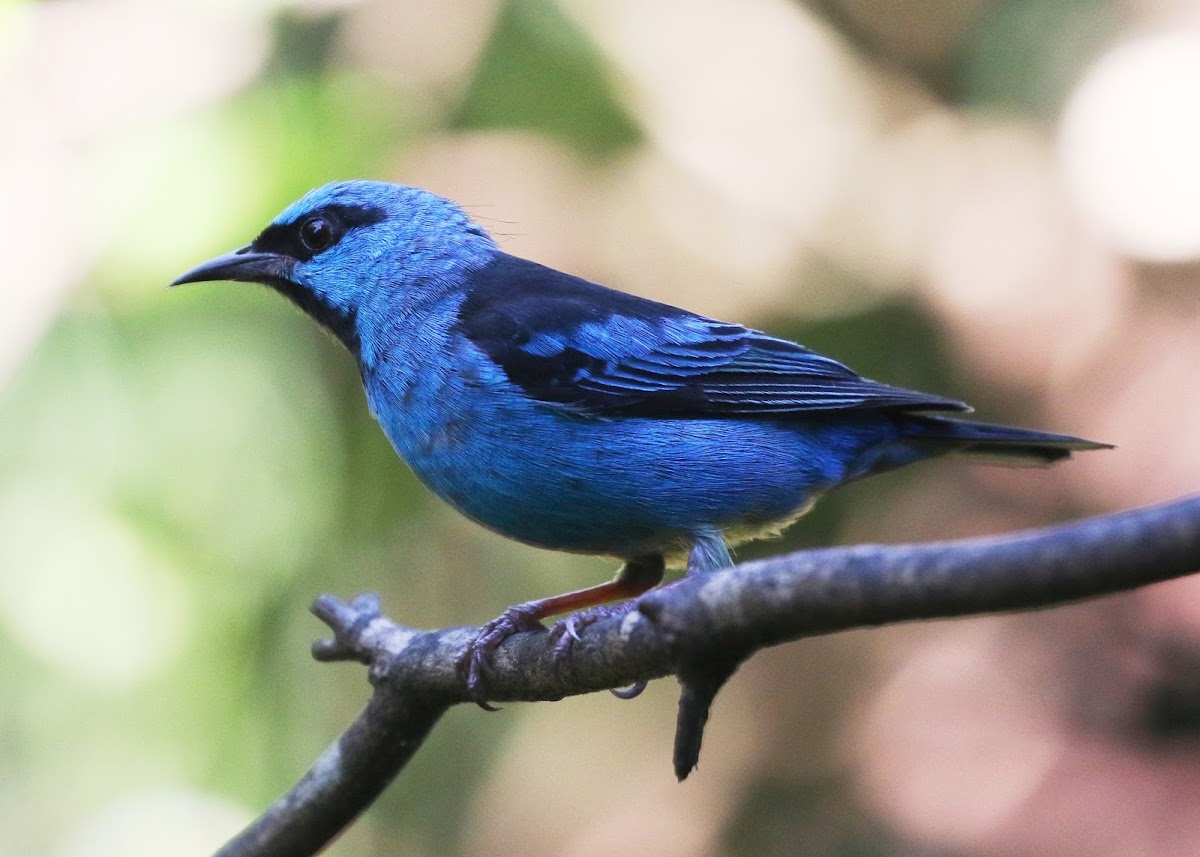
353	251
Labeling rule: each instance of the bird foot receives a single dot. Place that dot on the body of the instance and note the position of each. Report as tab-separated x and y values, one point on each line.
565	634
476	660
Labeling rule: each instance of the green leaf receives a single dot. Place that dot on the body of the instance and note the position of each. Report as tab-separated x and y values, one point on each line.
539	72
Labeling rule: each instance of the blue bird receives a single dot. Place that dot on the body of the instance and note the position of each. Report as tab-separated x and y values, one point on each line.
573	417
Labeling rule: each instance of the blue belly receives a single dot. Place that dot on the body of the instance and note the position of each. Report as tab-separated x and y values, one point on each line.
622	487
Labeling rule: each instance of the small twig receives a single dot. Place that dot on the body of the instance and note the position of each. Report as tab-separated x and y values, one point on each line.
352	771
702	679
696	623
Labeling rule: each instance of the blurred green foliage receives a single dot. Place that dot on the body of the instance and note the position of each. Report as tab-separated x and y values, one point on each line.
1005	66
540	73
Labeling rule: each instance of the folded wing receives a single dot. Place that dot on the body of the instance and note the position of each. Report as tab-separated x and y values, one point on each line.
568	341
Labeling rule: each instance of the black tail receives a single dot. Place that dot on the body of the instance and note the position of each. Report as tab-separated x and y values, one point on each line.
1003	444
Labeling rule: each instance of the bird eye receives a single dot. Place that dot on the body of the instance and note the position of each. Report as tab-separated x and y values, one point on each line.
316	234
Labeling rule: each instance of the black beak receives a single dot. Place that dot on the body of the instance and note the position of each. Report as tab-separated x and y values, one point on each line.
245	265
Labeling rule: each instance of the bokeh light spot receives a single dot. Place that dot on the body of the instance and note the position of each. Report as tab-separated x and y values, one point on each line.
81	590
1129	143
179	823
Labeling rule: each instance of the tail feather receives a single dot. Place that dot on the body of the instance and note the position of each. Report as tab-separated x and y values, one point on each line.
1003	444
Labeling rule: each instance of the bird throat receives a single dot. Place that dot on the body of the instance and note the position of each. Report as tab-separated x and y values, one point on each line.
340	321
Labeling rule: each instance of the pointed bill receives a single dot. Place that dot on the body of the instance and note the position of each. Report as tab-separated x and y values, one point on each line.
244	265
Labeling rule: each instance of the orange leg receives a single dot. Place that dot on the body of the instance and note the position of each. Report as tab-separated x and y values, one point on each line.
635	577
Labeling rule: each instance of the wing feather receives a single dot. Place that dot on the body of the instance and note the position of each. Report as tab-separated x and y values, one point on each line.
568	341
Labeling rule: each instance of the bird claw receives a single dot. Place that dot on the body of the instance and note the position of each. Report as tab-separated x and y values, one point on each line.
570	630
633	691
476	660
565	634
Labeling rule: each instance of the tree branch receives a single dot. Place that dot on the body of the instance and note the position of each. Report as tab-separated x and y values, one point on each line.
697	620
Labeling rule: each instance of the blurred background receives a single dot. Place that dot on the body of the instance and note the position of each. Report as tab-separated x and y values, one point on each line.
997	200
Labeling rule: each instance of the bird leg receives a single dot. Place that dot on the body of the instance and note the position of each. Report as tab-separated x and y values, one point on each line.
709	553
635	577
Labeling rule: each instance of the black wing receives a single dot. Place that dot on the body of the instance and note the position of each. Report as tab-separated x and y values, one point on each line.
568	341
